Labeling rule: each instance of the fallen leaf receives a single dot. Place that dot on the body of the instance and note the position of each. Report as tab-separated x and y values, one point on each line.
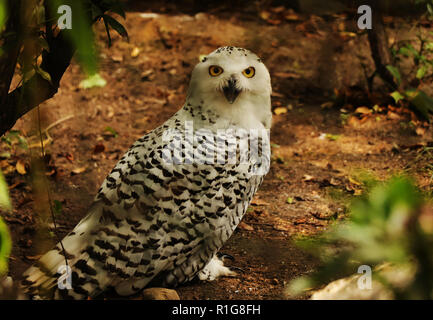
135	52
281	227
117	58
307	178
21	167
280	110
37	257
99	148
292	17
79	170
420	131
363	110
259	202
393	115
245	226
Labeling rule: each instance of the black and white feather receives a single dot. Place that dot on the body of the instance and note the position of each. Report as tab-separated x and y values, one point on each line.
177	195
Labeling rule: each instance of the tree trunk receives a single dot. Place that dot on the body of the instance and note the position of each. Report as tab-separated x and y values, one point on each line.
380	52
11	47
36	90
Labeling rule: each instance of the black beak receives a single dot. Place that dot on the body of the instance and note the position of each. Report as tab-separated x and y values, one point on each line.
230	91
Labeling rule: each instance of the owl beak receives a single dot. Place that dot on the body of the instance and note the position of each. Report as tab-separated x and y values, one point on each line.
230	91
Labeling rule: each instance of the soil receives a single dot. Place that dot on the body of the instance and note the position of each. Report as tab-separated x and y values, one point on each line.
320	152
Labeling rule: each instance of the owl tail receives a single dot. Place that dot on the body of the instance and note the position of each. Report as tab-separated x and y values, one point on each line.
66	272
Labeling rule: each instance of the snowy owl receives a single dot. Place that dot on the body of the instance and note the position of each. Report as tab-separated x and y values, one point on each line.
176	196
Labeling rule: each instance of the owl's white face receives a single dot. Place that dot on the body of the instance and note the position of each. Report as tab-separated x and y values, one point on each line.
232	80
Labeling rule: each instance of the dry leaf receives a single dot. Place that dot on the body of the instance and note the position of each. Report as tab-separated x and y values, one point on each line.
363	110
420	131
280	110
117	58
99	148
21	167
259	202
79	170
307	178
393	115
135	52
245	226
281	227
37	257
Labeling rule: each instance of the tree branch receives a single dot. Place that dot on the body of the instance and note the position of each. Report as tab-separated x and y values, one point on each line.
11	45
36	90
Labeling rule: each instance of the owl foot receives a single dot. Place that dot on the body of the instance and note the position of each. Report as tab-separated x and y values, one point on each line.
215	269
222	256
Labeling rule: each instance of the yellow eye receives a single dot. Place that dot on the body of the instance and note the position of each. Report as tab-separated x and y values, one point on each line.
215	71
249	72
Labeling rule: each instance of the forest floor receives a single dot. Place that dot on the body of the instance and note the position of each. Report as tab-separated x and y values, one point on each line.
322	155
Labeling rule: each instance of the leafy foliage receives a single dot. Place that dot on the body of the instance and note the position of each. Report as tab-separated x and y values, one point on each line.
386	226
419	52
5	240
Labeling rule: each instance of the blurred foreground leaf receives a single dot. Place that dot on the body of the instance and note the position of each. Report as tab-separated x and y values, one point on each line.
383	227
94	80
5	202
5	240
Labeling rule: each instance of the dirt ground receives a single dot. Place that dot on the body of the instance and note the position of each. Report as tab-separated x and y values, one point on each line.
320	153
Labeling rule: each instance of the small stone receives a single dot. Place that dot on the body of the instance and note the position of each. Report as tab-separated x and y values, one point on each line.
160	294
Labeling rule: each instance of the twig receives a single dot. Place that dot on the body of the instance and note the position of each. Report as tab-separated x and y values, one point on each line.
58	122
48	190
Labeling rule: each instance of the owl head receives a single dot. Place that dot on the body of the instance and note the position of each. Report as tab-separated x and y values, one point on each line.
231	78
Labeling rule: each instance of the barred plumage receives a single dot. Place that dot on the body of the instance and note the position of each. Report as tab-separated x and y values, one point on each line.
177	195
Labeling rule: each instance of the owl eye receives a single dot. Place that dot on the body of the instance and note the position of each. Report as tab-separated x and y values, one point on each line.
215	71
249	72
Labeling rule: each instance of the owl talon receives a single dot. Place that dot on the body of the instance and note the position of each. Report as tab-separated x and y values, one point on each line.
222	256
236	269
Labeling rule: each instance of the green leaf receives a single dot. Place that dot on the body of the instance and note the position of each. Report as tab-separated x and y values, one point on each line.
94	80
420	101
332	137
112	131
404	51
289	200
397	96
420	73
43	73
81	35
430	8
395	73
5	202
5	247
116	25
3	13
